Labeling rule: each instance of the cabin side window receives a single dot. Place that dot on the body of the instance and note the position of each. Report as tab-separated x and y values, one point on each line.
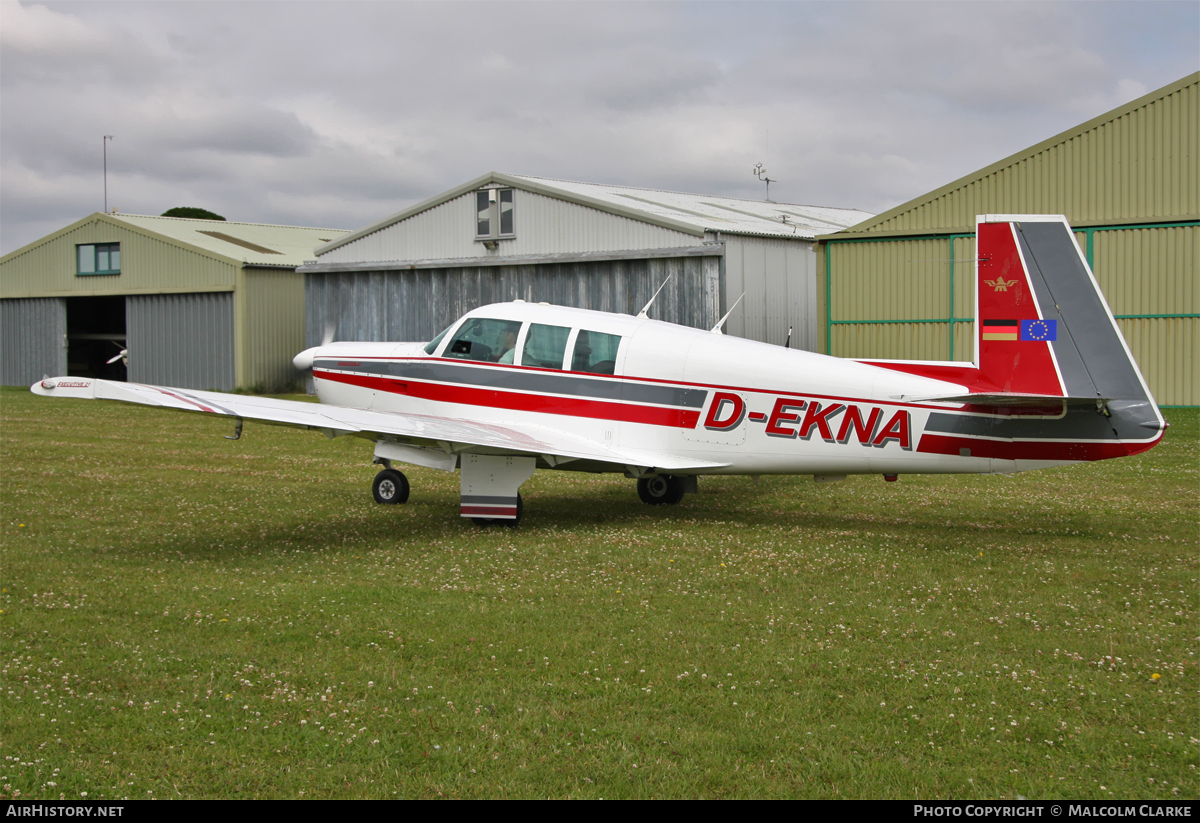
489	341
545	346
595	352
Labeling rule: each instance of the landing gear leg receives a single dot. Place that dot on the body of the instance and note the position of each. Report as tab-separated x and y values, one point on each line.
661	489
489	487
390	486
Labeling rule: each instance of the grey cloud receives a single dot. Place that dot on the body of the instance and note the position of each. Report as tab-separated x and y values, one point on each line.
645	78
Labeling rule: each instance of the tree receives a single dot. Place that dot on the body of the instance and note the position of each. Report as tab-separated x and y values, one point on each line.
193	212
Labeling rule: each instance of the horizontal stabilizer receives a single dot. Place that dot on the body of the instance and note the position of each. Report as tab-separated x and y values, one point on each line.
1005	399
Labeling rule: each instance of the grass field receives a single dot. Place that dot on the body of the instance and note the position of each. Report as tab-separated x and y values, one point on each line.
189	616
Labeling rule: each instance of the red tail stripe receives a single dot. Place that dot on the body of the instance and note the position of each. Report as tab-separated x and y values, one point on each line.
1028	450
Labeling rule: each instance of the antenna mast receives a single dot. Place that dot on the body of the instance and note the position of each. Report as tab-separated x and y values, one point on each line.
761	174
107	137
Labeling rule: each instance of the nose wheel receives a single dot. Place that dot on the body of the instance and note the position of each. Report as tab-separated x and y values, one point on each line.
390	486
661	490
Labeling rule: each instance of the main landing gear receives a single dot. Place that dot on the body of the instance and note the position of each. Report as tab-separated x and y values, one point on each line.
661	489
390	486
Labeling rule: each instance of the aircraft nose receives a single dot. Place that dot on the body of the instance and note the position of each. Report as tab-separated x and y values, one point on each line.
304	360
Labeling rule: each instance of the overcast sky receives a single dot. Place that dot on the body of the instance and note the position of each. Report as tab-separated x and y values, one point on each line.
338	114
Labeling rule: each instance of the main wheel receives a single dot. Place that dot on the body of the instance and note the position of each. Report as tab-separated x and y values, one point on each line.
390	486
484	522
660	490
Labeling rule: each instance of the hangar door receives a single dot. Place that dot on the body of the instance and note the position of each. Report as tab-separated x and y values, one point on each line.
33	340
182	340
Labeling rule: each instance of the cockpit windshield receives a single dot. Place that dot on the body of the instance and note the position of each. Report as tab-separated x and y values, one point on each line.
432	345
490	341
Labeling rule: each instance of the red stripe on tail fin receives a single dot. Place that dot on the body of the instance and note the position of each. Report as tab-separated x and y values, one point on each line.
1006	298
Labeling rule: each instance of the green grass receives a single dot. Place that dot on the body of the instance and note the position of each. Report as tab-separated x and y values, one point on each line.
188	616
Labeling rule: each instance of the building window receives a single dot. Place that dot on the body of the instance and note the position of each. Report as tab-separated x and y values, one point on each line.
494	214
98	258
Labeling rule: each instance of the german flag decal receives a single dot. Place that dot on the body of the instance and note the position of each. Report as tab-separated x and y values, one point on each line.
1001	330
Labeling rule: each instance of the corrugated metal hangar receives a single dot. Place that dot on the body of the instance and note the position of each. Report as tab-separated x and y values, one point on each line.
901	285
502	237
198	304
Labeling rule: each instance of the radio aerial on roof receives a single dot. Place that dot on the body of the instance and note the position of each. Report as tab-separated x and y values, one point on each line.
761	174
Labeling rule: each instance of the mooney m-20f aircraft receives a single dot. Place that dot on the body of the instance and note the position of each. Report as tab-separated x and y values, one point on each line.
513	387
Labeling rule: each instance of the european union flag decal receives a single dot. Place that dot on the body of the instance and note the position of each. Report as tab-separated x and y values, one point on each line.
1043	330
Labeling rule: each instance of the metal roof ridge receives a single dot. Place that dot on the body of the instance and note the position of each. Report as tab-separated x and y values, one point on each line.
682	193
120	215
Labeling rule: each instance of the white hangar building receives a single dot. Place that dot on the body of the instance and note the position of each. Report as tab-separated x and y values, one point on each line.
502	237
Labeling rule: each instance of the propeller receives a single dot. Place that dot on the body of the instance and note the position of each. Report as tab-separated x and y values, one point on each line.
304	360
123	355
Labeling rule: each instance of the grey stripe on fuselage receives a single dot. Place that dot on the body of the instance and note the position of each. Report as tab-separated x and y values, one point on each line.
1079	423
518	379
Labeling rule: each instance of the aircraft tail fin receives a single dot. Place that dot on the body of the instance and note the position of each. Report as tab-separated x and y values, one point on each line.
1043	326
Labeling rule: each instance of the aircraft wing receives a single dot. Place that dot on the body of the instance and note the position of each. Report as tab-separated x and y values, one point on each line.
446	433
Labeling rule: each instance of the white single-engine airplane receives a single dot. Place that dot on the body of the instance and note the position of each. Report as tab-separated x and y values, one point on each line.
513	387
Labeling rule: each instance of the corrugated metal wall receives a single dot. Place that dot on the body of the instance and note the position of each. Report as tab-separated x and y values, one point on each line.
147	263
779	279
908	281
417	304
33	340
182	340
1147	271
544	225
1165	350
273	331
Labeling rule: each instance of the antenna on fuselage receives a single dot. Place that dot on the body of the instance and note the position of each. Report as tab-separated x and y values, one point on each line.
788	343
717	328
646	308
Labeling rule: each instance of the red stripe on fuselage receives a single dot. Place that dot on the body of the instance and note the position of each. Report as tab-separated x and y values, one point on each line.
1029	449
496	399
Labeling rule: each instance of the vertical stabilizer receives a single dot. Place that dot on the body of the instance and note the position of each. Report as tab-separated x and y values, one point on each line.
1044	327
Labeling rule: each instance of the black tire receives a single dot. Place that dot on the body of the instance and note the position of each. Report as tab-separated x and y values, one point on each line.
484	522
390	487
660	490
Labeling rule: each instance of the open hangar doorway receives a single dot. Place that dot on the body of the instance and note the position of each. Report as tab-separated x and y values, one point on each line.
95	336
